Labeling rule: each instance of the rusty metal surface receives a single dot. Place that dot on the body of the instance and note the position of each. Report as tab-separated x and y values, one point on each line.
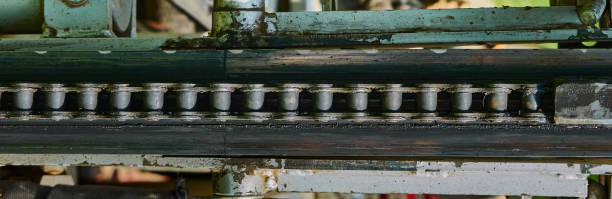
300	140
299	66
422	20
583	103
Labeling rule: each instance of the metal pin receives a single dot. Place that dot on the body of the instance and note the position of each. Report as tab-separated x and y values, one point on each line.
55	95
529	99
427	98
289	97
154	96
323	97
391	97
121	95
186	97
221	97
88	96
24	96
530	107
461	98
497	98
358	98
254	97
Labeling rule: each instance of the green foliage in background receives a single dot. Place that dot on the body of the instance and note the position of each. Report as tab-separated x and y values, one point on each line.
523	3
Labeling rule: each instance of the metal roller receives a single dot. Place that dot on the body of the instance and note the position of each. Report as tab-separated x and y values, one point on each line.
497	98
391	97
529	100
221	97
121	95
88	96
323	97
427	98
461	98
254	95
154	96
186	97
23	97
530	103
357	98
289	97
55	96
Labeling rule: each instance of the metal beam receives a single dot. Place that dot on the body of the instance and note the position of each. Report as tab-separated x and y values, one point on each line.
408	166
204	66
337	140
423	20
415	39
483	182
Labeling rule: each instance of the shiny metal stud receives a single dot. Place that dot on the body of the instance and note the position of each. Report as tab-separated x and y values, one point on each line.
323	97
254	95
391	97
154	96
289	97
88	96
55	95
221	97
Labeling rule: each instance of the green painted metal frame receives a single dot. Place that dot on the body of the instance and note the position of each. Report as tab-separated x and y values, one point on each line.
423	20
69	18
352	28
432	39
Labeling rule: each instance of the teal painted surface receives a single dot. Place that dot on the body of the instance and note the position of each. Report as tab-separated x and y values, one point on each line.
529	36
21	16
82	44
479	19
366	40
94	19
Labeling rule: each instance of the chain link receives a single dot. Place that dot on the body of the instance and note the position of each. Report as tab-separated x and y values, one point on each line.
323	96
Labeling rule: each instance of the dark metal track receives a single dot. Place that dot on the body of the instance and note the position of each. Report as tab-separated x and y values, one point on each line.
204	66
302	140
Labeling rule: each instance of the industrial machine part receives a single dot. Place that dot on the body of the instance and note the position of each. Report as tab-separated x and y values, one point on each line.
269	110
69	18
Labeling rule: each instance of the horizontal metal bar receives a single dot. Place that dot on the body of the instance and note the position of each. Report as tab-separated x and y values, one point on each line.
434	182
204	66
365	40
286	140
82	44
449	20
408	166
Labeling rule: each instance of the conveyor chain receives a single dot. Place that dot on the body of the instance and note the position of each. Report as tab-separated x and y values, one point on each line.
288	102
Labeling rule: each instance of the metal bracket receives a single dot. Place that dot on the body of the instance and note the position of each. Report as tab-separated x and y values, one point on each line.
89	18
